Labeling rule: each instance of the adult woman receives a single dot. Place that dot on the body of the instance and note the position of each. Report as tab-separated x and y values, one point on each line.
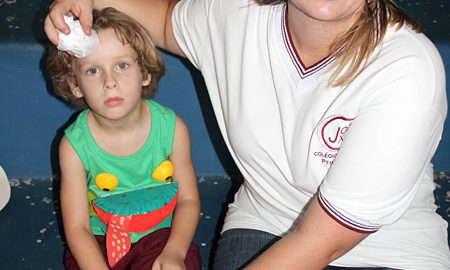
288	80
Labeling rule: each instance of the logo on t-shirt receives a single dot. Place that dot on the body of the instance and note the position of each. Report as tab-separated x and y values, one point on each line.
331	133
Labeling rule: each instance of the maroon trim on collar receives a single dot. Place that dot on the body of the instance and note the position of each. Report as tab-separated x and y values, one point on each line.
302	70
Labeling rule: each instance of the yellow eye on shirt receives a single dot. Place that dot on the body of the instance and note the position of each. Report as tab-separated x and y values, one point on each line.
163	172
106	181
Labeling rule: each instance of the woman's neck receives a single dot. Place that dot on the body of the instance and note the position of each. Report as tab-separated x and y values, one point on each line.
312	38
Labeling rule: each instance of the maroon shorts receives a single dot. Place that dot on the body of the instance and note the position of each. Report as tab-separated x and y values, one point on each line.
142	253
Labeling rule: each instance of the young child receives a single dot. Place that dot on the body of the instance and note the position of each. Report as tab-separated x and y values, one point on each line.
122	143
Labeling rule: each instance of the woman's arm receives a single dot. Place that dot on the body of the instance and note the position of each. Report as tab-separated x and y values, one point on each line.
187	211
75	210
317	241
155	16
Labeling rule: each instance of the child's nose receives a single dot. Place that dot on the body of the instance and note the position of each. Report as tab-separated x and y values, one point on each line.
110	82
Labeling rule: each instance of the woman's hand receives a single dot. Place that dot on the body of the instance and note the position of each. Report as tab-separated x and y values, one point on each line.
159	27
168	260
82	9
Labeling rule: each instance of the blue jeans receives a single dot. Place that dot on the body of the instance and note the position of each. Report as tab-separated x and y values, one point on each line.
238	247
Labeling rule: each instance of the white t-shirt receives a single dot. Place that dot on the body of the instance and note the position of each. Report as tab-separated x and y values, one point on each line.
285	129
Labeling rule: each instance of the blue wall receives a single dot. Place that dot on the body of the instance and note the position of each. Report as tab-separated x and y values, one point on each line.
32	119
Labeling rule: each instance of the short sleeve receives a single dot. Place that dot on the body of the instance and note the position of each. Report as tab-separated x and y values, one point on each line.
190	27
387	150
380	164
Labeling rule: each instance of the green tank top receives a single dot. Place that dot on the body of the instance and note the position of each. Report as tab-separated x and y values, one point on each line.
134	171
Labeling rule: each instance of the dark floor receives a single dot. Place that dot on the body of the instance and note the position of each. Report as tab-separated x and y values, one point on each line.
30	228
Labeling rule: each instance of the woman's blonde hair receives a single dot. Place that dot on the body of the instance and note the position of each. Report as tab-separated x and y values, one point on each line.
357	44
129	31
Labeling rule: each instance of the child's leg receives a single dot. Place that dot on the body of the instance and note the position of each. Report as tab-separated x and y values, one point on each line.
193	259
69	261
143	253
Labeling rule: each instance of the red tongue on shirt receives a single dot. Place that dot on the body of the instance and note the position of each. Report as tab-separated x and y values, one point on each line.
118	241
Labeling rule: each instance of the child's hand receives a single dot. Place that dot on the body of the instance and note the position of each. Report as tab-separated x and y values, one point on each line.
169	261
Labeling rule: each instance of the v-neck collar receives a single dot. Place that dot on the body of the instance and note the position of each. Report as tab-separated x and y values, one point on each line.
302	70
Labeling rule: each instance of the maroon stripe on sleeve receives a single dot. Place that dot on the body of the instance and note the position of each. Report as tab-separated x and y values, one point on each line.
343	220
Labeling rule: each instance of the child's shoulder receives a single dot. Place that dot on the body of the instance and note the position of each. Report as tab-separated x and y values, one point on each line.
79	123
154	105
161	111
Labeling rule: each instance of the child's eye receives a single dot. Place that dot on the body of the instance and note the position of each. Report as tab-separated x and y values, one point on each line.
122	66
92	71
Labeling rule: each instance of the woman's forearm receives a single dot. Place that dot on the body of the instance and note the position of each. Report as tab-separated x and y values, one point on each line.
317	241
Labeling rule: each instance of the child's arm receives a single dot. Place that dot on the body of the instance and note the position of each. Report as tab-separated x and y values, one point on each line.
75	210
187	211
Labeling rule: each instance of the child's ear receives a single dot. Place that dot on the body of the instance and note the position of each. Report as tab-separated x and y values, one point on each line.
147	80
74	88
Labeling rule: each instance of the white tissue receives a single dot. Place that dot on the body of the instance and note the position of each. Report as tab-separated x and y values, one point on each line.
77	42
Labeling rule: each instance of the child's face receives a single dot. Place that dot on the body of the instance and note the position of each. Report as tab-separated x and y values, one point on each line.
110	79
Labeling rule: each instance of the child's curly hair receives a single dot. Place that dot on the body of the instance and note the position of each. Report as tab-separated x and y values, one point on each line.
129	31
